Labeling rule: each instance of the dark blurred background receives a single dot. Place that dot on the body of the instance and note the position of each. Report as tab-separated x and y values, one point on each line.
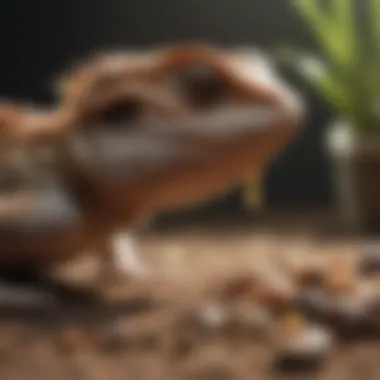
40	38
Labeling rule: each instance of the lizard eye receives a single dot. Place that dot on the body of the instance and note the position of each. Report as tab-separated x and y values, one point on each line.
202	86
119	115
122	113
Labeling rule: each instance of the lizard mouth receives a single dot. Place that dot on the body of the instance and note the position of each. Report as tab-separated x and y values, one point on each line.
149	150
227	123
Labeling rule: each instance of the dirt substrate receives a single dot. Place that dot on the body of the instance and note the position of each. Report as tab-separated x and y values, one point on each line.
150	331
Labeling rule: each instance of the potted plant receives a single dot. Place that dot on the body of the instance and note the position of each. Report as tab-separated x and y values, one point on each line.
346	73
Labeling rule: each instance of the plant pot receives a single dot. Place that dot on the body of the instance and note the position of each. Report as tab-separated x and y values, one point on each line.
355	159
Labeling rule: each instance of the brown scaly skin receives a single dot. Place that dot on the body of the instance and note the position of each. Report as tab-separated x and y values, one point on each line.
119	101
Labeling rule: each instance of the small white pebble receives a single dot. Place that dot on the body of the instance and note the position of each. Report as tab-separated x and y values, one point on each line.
354	304
309	341
214	316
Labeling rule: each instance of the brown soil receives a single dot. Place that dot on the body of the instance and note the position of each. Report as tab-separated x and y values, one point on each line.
148	330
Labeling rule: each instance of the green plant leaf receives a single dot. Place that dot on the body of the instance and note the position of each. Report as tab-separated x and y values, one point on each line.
347	74
333	30
319	75
345	27
374	13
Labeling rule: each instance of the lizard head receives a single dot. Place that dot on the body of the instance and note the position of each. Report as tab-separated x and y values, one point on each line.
172	127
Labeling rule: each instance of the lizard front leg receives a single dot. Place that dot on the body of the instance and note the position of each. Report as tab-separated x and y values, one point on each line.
121	259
